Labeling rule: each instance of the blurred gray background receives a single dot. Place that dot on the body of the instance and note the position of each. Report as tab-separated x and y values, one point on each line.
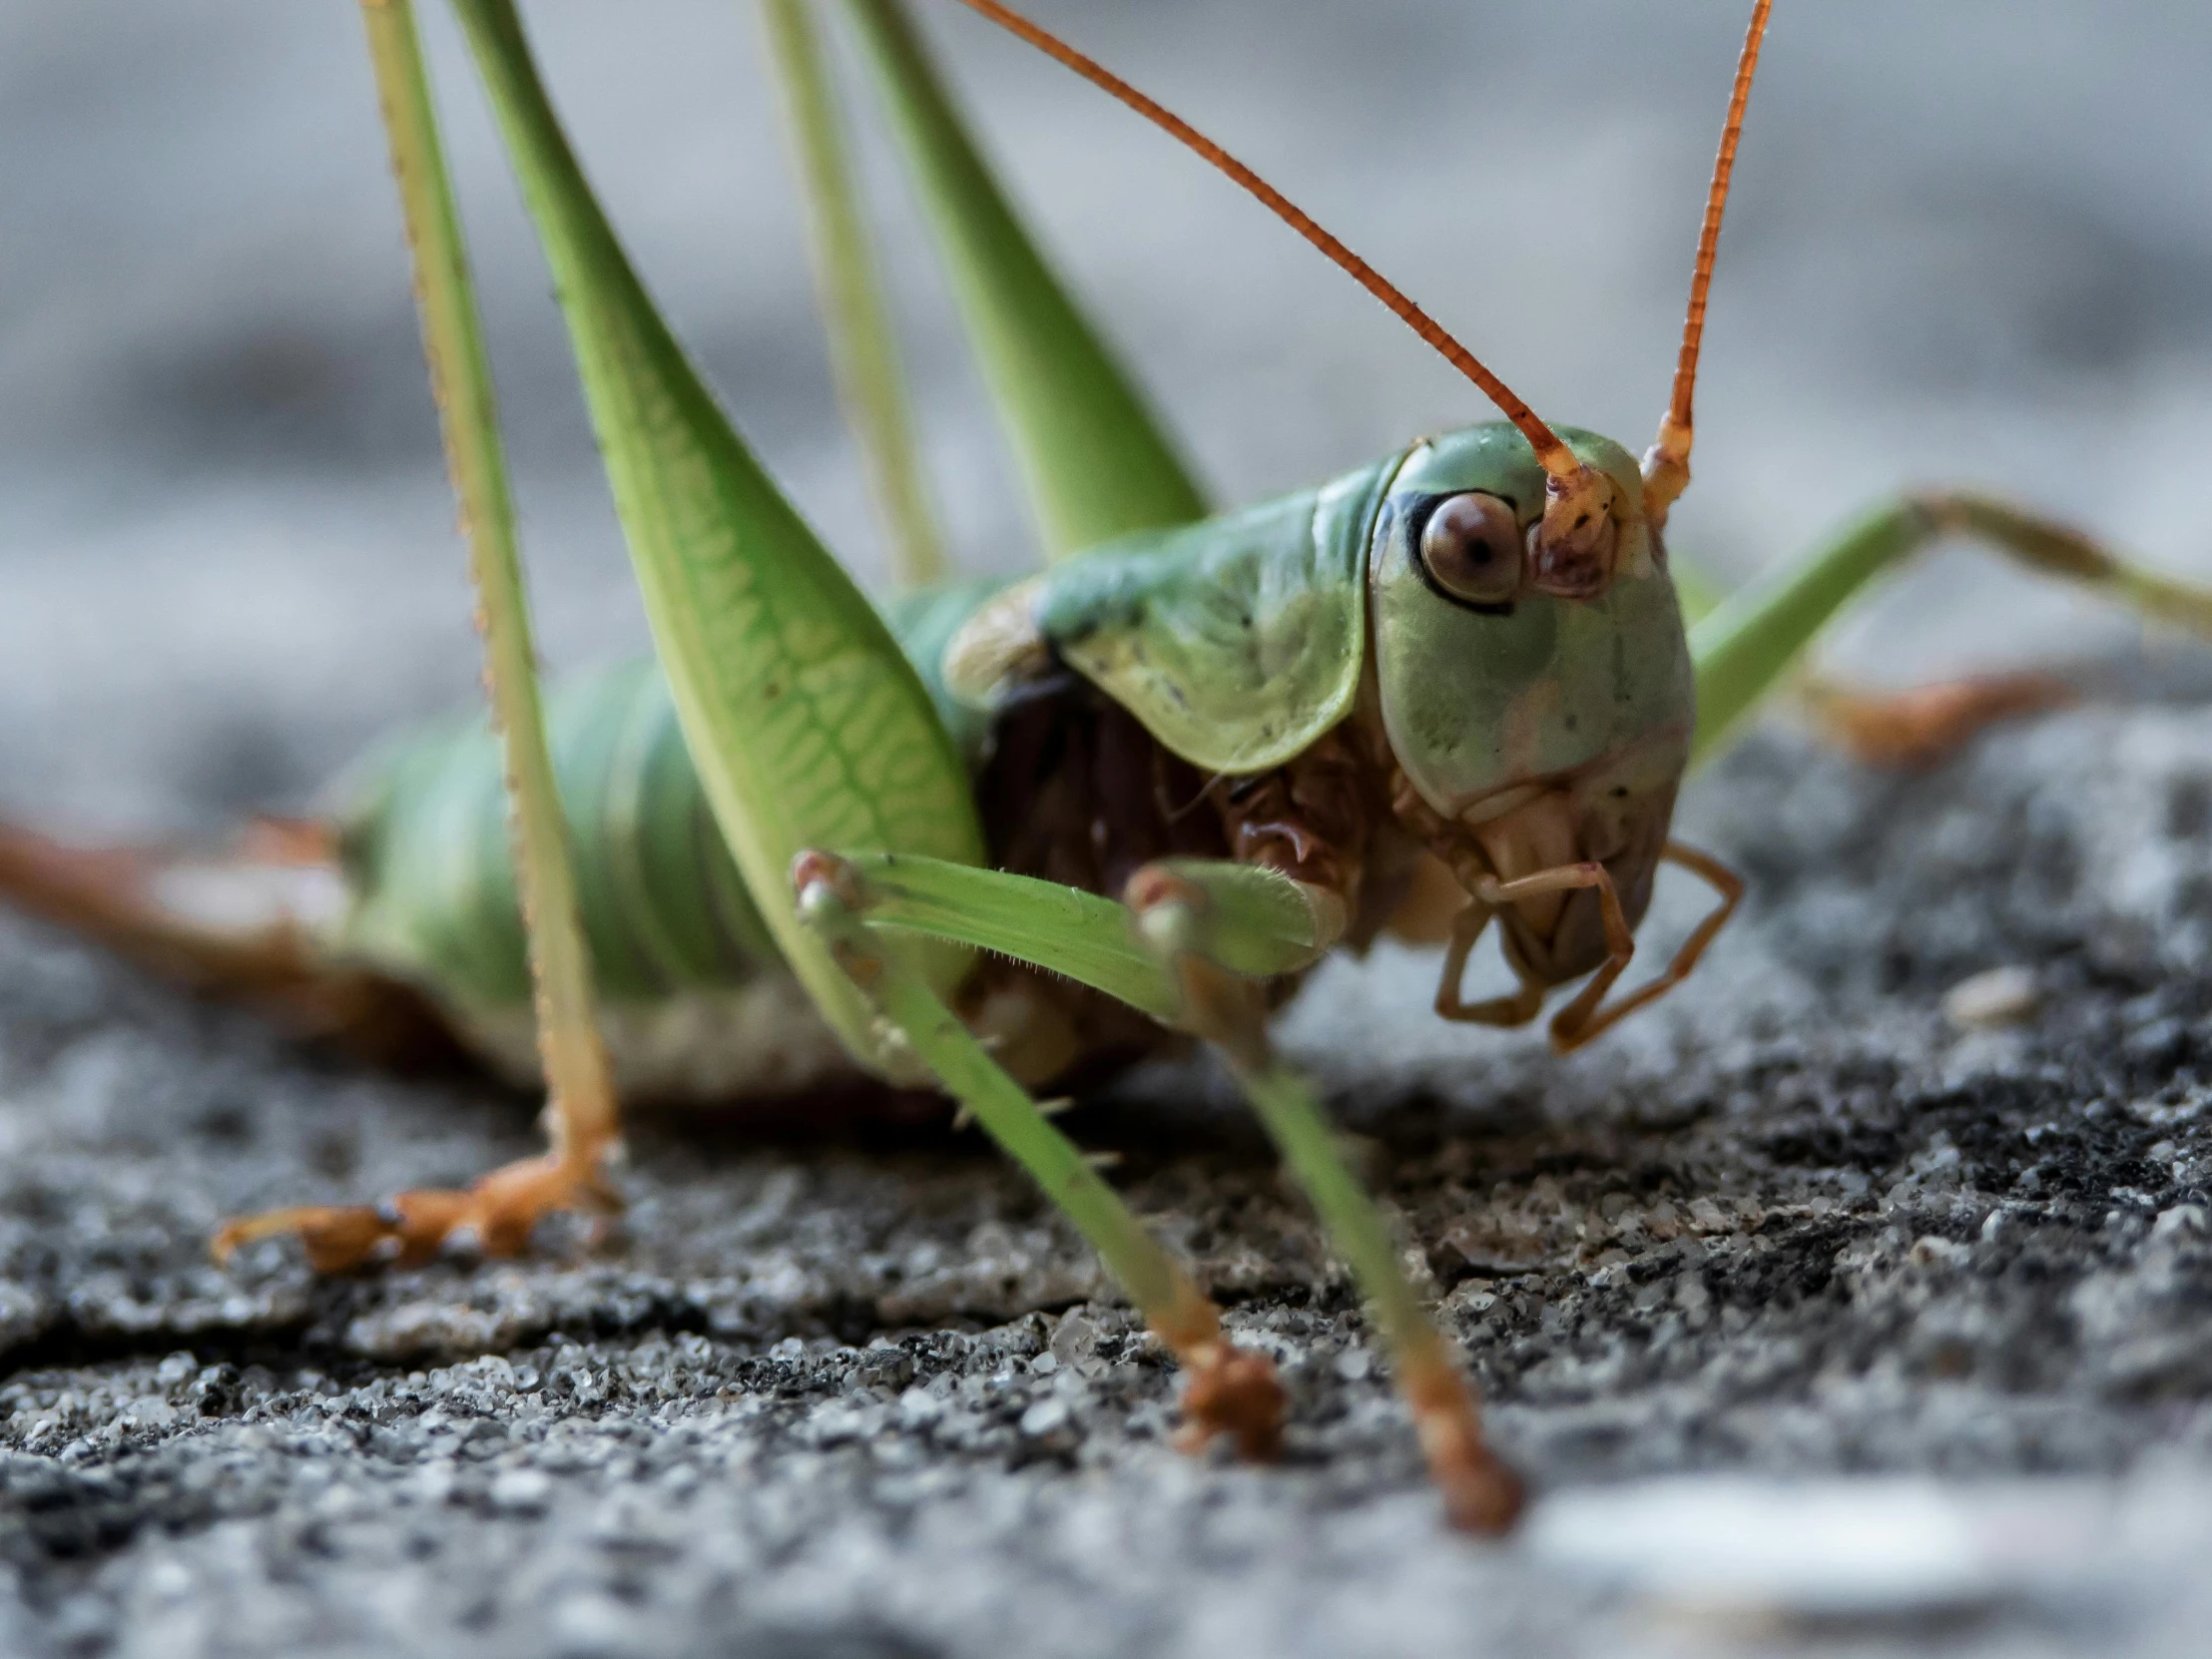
1970	243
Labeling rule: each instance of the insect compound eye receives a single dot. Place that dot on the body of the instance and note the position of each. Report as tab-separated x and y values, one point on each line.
1471	549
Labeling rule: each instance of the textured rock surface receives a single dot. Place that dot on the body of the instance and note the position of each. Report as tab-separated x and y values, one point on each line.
844	1399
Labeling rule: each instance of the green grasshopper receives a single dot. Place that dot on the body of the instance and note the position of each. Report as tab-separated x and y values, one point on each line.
994	835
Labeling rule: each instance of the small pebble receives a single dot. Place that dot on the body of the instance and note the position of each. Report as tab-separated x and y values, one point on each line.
521	1492
2182	1221
1047	1416
1993	999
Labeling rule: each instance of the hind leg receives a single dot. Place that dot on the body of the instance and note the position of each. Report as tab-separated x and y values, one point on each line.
582	1117
1746	644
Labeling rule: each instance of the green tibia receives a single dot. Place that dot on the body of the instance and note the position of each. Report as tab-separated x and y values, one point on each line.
573	1060
1750	640
1255	921
1205	920
1161	1291
1064	929
1096	460
808	725
1301	1131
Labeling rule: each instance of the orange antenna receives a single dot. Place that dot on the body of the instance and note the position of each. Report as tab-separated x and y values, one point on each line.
1667	462
1558	460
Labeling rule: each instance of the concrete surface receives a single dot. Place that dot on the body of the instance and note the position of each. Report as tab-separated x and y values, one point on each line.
1940	1297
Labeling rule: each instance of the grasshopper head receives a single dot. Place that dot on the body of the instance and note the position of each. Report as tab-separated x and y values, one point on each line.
1542	729
1535	685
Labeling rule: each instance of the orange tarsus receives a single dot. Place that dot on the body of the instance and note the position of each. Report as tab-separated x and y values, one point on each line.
501	1209
1667	464
1558	460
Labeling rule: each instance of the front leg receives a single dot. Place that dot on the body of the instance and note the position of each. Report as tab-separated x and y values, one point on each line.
1207	939
1210	926
1230	1391
1517	1010
1588	1015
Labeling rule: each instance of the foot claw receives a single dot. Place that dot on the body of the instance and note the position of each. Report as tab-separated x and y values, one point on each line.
1232	1391
1482	1493
1483	1498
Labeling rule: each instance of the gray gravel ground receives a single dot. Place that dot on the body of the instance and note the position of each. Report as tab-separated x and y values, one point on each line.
1820	1324
846	1399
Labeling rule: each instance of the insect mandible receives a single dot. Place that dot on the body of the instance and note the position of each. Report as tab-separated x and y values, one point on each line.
998	834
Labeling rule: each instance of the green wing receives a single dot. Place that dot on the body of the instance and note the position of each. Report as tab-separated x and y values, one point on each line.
1236	641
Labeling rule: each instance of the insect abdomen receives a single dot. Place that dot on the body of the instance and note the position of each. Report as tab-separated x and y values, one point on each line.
429	862
427	857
